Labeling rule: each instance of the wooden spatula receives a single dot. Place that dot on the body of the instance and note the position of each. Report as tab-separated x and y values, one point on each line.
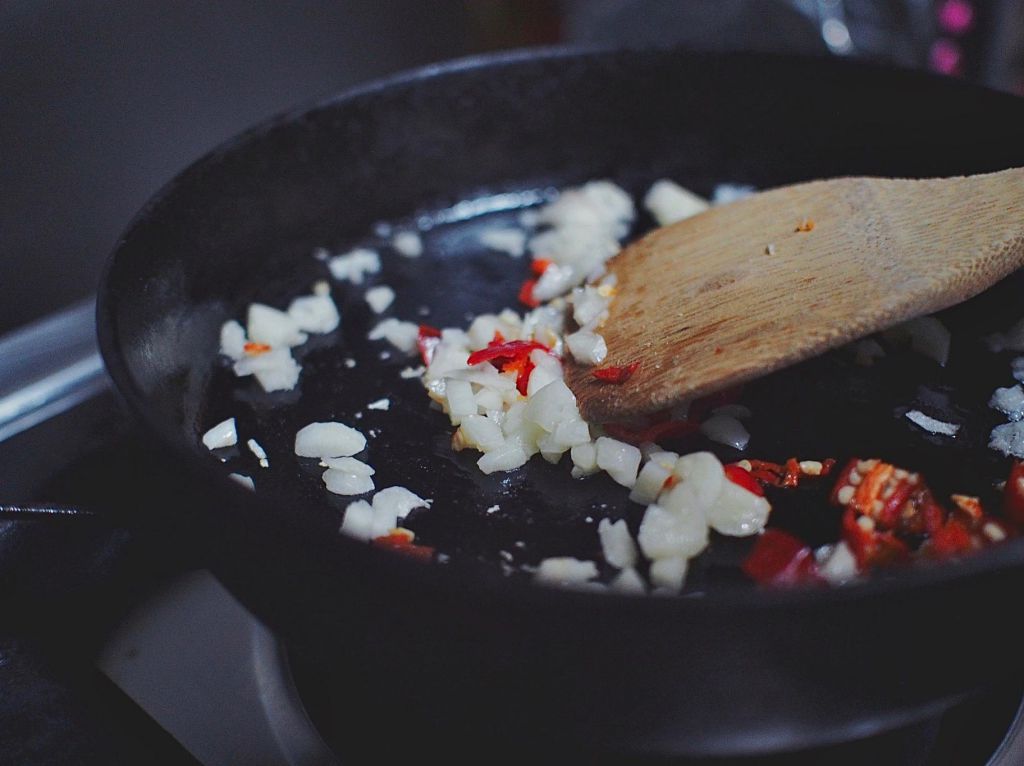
743	289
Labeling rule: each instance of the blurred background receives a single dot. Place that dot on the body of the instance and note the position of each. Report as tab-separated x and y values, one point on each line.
103	101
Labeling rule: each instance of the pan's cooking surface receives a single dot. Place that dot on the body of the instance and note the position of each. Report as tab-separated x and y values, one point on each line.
827	408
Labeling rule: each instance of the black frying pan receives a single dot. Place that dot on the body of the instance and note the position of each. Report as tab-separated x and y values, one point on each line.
462	653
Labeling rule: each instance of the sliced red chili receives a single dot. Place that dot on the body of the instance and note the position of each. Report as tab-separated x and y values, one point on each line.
400	542
1013	494
843	479
540	265
951	539
503	352
870	546
792	473
616	375
255	349
427	340
779	558
739	475
526	294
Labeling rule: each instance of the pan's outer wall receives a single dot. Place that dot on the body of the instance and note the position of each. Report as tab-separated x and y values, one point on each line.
482	659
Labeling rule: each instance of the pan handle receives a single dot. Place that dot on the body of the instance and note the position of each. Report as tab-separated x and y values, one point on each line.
48	367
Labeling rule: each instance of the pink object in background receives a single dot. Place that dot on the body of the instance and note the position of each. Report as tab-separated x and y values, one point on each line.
946	57
956	16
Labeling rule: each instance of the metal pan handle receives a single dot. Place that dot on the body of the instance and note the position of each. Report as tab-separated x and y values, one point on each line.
48	367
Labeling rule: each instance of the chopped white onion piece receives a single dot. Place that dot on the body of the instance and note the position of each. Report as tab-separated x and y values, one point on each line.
667	533
584	459
481	432
629	581
1009	439
620	460
668	575
617	544
379	404
587	347
330	439
346	483
650	482
1010	401
504	458
927	336
379	298
738	512
348	465
354	266
401	335
931	424
669	202
840	566
727	430
726	193
260	453
551	405
358	521
245	481
398	501
408	243
268	325
232	340
407	373
315	313
701	478
224	434
565	571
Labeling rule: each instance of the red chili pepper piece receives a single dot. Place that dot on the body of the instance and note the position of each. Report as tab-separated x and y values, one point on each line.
779	558
889	516
843	479
666	429
398	542
870	546
540	265
513	355
1013	495
255	349
427	340
739	475
792	474
951	539
504	352
526	294
616	374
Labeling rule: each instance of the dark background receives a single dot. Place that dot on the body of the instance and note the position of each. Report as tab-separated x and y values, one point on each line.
103	101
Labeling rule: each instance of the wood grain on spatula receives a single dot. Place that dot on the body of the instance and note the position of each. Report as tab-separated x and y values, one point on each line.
747	288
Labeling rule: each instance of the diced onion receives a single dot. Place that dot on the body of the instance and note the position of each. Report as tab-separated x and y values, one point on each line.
325	440
224	434
617	544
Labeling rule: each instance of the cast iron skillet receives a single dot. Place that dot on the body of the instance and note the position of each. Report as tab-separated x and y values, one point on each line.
462	653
